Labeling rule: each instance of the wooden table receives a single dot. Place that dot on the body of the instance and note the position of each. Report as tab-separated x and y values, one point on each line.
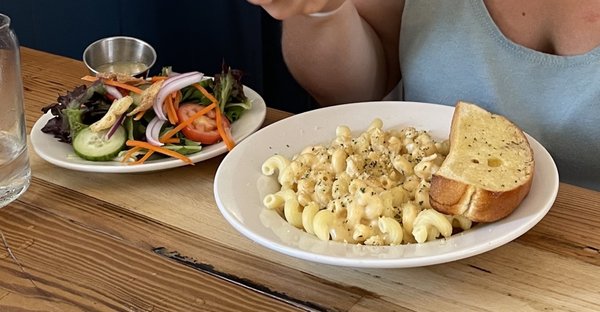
156	242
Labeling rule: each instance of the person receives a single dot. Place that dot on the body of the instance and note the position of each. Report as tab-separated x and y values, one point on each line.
536	62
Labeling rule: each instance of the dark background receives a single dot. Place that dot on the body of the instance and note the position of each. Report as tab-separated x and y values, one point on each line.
187	34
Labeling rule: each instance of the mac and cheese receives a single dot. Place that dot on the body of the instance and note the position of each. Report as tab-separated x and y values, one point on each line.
371	189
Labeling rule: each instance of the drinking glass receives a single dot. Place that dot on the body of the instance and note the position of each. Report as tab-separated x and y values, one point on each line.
15	173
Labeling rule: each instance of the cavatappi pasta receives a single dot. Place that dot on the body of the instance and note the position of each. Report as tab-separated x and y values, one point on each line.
371	189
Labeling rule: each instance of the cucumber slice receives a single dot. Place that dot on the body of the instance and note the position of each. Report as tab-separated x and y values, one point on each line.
94	146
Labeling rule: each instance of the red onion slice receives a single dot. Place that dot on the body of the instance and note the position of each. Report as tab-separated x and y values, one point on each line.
174	77
113	91
114	127
153	131
171	85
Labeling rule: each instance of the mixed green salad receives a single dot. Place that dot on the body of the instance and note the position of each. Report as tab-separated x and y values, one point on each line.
119	117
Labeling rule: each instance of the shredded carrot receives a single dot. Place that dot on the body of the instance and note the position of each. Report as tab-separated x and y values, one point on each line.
206	93
158	78
139	115
177	99
135	149
114	84
171	141
219	117
143	159
123	86
224	135
130	153
171	114
158	149
188	121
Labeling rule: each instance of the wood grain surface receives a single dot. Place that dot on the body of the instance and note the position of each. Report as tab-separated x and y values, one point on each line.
156	242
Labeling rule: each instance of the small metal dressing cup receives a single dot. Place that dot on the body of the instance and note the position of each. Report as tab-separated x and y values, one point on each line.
131	55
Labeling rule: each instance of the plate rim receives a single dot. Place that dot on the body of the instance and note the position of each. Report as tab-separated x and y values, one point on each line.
419	261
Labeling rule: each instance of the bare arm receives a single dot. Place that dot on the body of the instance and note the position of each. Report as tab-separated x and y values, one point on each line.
351	55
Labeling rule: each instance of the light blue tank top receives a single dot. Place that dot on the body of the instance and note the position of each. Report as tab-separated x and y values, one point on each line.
452	50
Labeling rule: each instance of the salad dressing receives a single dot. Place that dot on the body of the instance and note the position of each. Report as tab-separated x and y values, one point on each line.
123	67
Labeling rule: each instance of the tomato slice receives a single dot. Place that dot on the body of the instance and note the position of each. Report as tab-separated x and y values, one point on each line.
203	129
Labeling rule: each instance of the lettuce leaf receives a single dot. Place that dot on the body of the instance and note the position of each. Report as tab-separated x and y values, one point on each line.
75	110
229	90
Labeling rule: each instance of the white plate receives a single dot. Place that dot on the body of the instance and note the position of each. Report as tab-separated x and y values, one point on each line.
239	187
62	155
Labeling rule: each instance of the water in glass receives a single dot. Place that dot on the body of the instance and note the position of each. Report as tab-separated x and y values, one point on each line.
14	168
15	172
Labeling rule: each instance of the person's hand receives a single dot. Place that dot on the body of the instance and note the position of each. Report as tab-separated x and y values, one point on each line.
283	9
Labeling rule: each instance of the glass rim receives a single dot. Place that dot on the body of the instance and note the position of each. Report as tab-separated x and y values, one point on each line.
4	21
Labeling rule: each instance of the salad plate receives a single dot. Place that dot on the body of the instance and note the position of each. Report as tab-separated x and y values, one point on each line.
62	155
239	188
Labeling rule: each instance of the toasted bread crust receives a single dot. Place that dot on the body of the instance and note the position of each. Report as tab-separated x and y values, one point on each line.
453	196
477	204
